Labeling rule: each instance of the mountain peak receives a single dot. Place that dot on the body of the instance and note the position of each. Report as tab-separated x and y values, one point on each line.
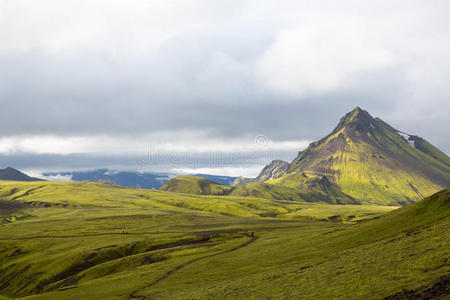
356	120
373	162
357	114
239	181
357	109
15	175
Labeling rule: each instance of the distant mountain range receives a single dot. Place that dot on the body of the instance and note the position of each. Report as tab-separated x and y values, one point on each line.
363	160
13	174
145	180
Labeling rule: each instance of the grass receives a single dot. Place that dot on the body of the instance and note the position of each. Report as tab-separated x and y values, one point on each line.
72	245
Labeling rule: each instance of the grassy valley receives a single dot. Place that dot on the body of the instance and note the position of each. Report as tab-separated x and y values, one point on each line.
90	240
216	150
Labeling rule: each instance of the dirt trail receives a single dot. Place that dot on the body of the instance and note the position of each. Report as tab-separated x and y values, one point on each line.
175	269
27	192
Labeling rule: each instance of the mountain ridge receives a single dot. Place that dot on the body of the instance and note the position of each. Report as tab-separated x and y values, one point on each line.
370	160
15	175
144	180
318	190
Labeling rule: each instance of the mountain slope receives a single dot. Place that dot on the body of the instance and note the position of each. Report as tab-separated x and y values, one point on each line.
273	170
195	185
15	175
316	190
371	161
74	247
225	180
239	181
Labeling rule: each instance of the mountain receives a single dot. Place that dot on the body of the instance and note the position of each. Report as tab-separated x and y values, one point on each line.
368	160
225	180
144	180
318	191
195	185
239	181
274	170
13	174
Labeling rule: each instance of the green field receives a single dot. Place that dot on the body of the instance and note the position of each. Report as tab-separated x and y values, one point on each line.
61	240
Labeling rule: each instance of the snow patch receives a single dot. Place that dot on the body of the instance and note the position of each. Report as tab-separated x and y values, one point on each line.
271	174
407	138
111	172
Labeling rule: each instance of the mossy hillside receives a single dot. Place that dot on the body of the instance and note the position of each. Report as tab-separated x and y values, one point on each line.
79	251
385	255
368	160
337	213
195	185
239	181
27	197
314	189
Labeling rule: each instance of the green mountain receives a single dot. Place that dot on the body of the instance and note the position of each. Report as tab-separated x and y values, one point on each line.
369	160
239	181
195	185
15	175
320	190
317	189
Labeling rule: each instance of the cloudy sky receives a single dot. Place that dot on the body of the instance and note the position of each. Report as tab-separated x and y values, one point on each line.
217	86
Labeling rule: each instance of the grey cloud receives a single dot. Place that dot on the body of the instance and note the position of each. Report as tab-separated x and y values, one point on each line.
204	78
142	161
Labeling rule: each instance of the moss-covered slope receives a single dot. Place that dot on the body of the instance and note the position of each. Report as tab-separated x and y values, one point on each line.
93	241
239	181
315	189
371	161
195	185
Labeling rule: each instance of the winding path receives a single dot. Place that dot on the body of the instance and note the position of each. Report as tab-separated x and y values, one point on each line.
134	295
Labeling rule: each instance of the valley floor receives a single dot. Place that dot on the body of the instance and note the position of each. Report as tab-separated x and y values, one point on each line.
92	241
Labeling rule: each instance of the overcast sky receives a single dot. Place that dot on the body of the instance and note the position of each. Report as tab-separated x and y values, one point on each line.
87	84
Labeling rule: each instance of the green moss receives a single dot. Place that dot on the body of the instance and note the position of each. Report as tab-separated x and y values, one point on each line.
204	248
195	185
369	161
